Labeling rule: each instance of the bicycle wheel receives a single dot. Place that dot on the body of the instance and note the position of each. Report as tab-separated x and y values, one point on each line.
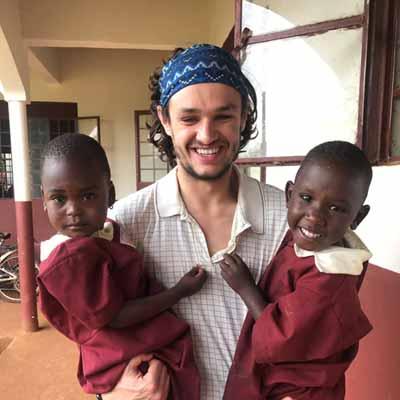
12	291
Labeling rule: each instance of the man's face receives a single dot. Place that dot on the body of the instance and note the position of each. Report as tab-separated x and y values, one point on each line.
322	204
205	121
75	196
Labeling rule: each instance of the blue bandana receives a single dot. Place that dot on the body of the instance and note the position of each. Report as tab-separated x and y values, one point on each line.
201	63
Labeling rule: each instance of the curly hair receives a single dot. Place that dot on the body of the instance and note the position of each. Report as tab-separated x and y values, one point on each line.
159	138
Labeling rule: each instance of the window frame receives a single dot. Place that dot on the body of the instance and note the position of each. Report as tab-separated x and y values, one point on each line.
356	21
139	183
381	91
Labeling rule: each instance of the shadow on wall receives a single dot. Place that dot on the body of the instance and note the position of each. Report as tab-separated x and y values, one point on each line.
41	227
375	372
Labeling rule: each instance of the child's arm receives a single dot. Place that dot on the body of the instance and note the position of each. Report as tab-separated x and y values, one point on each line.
138	310
237	275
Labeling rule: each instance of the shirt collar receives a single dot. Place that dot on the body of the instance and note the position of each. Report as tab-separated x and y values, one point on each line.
340	260
249	210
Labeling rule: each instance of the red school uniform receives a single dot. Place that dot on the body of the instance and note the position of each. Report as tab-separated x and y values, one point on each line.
306	337
83	284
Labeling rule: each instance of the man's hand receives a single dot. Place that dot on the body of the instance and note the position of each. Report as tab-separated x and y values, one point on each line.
133	385
191	282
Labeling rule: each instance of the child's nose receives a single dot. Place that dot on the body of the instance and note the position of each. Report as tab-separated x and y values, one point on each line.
73	208
316	215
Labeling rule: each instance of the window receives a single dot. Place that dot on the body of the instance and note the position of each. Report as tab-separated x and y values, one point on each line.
308	71
45	122
6	173
332	72
382	97
149	167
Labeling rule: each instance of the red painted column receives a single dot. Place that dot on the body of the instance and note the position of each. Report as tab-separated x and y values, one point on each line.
23	212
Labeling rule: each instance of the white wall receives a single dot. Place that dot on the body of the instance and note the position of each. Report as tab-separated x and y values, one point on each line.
381	229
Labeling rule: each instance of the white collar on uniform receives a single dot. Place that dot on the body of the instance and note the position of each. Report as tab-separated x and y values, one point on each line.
340	260
47	246
250	207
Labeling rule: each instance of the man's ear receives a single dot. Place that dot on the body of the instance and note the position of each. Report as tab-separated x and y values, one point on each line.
364	210
111	194
243	120
164	120
288	191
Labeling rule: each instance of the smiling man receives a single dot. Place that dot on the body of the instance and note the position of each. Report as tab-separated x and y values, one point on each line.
205	111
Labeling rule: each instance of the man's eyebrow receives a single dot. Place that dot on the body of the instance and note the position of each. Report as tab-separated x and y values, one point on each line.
227	107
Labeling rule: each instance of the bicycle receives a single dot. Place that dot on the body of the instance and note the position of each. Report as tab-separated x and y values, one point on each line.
9	271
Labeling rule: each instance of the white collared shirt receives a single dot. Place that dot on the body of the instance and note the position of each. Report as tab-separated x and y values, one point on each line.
157	223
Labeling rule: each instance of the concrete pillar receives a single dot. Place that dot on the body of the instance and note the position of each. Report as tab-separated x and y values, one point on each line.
23	212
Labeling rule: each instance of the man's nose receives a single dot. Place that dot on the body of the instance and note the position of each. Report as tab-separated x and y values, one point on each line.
206	133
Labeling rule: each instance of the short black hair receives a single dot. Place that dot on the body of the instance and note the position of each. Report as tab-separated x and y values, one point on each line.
342	153
76	146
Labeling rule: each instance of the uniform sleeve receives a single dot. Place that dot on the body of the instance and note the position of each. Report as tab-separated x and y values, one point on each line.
321	317
83	284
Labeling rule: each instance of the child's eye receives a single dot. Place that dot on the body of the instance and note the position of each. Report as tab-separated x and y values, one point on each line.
58	199
336	208
88	196
305	197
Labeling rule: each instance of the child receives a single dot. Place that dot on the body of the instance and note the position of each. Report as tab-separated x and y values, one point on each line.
93	289
305	318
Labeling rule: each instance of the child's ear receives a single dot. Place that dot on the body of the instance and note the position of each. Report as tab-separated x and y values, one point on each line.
43	202
288	191
111	194
360	216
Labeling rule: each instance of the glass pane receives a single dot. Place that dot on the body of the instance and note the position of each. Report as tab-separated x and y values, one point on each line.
147	162
159	164
88	126
146	149
144	135
253	172
160	173
144	120
307	91
395	151
147	175
266	16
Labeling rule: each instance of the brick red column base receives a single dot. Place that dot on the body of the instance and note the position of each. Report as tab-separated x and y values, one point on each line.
23	214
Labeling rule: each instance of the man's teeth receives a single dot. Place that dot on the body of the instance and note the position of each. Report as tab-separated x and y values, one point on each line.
207	152
309	234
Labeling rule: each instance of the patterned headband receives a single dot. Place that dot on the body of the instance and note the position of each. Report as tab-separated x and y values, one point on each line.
201	63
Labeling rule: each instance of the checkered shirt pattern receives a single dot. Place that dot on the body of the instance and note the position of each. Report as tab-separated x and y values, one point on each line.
156	221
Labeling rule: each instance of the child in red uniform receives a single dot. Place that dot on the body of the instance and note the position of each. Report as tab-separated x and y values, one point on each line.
305	318
93	288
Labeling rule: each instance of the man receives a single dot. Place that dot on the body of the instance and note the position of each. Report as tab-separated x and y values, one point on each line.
205	111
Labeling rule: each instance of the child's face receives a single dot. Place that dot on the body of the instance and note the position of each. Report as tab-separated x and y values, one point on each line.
75	196
322	204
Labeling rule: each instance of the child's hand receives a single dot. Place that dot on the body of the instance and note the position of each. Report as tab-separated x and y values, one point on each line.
191	282
236	273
